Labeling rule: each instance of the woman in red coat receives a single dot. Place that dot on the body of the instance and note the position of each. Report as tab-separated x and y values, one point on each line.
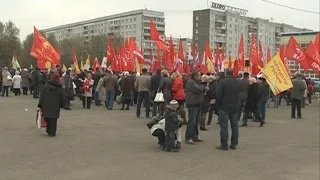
178	93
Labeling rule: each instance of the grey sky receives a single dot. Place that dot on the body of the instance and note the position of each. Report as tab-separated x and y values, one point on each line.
178	13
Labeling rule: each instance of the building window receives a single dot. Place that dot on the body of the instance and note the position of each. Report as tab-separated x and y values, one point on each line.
197	31
134	26
197	24
196	37
230	25
197	18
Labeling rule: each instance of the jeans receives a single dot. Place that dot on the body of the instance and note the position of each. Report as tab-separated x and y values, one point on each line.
5	90
295	104
170	142
242	103
224	117
143	96
110	99
194	116
261	109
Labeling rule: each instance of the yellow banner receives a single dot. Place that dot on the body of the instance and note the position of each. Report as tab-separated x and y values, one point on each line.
276	75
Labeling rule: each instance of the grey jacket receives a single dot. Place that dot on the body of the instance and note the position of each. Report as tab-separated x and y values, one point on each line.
194	93
299	86
244	88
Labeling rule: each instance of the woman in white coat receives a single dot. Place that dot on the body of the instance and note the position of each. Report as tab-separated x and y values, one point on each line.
17	83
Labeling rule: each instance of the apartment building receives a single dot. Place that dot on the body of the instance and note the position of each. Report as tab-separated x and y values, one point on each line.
222	25
128	24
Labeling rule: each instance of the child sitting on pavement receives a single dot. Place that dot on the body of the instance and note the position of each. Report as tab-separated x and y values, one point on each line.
172	124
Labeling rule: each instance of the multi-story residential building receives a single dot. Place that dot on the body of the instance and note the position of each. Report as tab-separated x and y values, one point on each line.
223	25
129	24
303	38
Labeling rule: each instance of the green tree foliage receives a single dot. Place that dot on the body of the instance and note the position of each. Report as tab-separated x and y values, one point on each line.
9	42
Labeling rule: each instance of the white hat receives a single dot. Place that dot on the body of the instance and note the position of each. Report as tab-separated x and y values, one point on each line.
174	104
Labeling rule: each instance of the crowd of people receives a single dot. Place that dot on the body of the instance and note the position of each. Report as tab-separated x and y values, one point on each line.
228	97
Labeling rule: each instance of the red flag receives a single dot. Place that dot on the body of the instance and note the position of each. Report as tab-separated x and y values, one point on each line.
154	35
74	56
313	57
295	52
241	53
317	42
236	68
157	63
260	57
151	60
95	64
135	50
181	63
170	63
120	59
283	58
41	63
254	70
42	49
268	55
230	61
223	55
110	50
253	57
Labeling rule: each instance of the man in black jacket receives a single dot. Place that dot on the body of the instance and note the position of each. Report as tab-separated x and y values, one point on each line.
227	99
35	82
96	77
154	86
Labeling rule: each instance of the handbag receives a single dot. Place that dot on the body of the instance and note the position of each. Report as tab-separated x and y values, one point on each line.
119	99
159	97
213	101
40	121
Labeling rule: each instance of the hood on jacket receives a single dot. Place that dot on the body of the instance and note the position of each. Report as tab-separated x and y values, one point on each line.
54	85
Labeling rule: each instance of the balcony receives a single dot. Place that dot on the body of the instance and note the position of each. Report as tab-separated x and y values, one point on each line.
220	34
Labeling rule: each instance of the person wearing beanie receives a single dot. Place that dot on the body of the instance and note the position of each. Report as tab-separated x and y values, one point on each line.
172	124
50	102
17	83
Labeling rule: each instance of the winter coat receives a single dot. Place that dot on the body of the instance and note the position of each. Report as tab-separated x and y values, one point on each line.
87	85
154	85
5	80
263	92
251	103
16	81
298	89
161	126
194	93
101	91
52	100
35	79
165	87
1	78
244	87
177	90
171	119
25	80
96	77
126	88
110	82
227	96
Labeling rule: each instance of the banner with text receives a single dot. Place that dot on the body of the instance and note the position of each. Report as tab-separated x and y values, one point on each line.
277	75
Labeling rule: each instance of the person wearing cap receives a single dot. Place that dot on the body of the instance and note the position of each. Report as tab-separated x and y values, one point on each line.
297	93
172	124
16	79
6	81
67	84
126	90
110	83
227	99
25	81
42	79
50	102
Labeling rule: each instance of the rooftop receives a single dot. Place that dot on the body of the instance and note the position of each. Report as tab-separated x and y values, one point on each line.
299	33
120	15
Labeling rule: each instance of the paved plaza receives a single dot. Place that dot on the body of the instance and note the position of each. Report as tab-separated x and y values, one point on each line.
98	144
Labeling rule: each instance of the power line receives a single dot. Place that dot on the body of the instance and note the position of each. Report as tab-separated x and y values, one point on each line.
289	7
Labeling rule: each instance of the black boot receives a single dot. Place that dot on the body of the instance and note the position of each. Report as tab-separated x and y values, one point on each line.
261	123
122	107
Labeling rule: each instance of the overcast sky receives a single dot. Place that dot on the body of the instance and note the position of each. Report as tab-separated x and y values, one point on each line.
178	13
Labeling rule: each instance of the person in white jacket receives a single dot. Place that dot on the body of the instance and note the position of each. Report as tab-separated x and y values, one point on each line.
17	83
